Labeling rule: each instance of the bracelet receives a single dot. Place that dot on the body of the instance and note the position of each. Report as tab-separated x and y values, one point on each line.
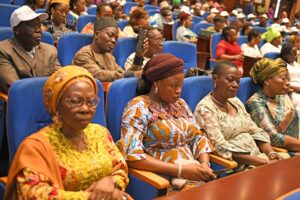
138	60
179	170
272	152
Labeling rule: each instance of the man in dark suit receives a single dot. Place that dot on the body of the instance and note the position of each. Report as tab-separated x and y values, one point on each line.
25	55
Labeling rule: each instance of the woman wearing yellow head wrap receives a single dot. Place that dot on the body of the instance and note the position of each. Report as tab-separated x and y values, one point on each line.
273	38
271	108
76	159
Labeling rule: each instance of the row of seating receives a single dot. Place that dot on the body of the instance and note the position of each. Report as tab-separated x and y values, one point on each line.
27	114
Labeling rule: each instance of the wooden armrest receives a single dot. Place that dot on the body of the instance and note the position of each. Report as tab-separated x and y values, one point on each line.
3	180
106	86
3	96
286	195
222	161
150	178
277	149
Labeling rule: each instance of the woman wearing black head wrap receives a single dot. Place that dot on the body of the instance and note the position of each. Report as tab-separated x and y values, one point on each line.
159	132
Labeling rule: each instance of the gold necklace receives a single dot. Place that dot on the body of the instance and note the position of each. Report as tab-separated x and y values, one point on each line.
219	103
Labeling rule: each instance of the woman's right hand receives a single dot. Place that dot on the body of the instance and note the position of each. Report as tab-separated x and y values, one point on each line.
116	195
197	172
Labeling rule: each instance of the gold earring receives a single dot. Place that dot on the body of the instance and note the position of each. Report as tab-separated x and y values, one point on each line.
57	121
155	90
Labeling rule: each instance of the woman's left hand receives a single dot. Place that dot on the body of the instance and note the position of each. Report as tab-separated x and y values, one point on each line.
274	156
104	188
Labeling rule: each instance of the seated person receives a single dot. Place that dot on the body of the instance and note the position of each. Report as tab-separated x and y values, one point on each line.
289	55
251	49
71	158
163	17
140	5
36	4
57	23
25	55
138	18
159	132
153	45
103	10
273	38
296	41
218	24
247	27
229	49
271	108
184	32
97	58
117	9
78	8
228	125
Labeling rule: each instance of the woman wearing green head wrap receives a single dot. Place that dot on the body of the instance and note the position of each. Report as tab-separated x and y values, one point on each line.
271	107
273	38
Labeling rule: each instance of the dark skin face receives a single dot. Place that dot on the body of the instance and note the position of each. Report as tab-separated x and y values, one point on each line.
277	85
276	41
39	3
227	82
59	13
256	40
105	40
75	119
118	12
232	35
155	40
79	6
292	56
105	11
188	22
218	26
164	12
29	33
169	89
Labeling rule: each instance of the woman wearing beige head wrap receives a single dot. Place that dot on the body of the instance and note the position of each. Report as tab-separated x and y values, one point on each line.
271	107
71	158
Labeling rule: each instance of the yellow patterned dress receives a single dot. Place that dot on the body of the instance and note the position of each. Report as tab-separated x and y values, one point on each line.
78	170
166	132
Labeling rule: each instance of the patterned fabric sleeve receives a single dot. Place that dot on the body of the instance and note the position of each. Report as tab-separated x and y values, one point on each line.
256	132
34	185
200	144
260	116
120	170
207	119
133	127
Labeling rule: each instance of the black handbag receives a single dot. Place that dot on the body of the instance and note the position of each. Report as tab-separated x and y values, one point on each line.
195	71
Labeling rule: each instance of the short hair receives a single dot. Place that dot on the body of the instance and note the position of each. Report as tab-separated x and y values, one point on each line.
218	19
219	67
253	34
286	50
226	30
245	27
136	14
101	5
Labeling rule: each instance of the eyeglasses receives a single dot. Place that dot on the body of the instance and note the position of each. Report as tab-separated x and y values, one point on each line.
158	40
77	101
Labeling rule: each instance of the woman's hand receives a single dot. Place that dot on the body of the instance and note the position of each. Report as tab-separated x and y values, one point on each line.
274	156
197	172
102	189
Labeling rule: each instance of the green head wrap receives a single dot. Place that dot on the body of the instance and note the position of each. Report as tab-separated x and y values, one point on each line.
266	68
270	34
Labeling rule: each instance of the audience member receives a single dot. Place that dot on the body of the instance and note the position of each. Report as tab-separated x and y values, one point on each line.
184	33
138	18
273	38
261	8
218	25
164	17
97	58
117	9
247	27
78	8
25	55
35	4
251	49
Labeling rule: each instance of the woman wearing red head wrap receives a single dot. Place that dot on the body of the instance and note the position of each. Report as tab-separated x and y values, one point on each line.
159	131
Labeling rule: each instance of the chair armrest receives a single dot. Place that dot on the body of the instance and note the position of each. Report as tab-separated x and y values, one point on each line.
150	178
3	96
222	161
106	86
281	150
3	180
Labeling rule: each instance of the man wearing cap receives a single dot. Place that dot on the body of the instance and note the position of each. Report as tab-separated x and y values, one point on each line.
164	17
25	55
97	58
218	24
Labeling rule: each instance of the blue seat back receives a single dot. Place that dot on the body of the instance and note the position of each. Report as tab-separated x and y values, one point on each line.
27	113
92	10
69	44
272	55
124	47
40	10
184	50
197	19
151	7
120	93
5	12
122	23
19	2
242	40
196	88
7	33
247	89
175	16
5	2
152	12
84	20
128	6
200	26
260	29
215	39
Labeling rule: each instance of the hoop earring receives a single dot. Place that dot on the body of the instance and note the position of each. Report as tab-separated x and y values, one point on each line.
57	121
155	90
